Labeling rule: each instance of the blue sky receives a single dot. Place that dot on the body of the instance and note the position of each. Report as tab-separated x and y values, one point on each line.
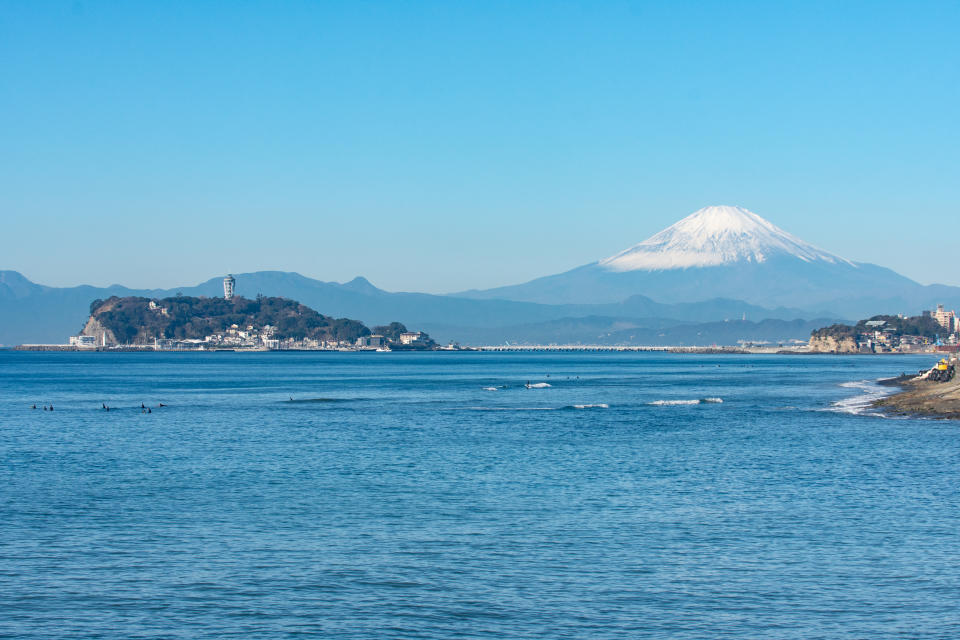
452	145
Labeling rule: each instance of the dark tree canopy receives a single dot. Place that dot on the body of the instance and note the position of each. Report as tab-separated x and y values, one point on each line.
133	321
923	326
390	331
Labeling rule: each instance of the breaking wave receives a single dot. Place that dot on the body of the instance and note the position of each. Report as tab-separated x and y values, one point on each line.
511	408
670	403
597	405
538	385
861	404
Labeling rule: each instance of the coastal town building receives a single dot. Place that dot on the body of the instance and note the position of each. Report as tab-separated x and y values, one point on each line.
945	319
84	342
373	341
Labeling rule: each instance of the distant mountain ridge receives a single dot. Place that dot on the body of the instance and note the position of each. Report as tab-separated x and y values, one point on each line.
600	330
31	312
730	252
719	263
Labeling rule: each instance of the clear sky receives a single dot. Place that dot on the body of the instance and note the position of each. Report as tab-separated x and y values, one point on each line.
452	145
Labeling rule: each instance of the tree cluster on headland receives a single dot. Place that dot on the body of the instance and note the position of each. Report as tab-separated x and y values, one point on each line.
136	320
881	332
920	326
391	331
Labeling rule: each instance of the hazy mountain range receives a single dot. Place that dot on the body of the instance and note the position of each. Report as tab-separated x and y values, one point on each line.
34	313
729	252
719	275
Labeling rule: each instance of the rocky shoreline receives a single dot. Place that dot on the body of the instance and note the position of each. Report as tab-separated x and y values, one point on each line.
922	397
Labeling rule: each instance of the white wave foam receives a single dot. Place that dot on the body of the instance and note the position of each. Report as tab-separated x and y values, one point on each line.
600	405
861	404
538	385
489	388
670	403
511	408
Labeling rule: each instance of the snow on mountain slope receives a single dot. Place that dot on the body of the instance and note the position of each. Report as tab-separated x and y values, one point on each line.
725	252
716	236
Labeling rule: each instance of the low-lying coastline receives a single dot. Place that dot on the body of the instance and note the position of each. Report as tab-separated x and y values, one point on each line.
922	397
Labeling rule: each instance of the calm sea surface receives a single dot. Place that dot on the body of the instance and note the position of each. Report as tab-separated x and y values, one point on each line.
435	496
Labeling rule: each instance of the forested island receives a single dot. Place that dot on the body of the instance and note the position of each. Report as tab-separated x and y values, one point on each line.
266	322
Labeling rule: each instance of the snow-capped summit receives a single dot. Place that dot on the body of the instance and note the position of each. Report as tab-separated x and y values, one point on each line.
715	236
721	252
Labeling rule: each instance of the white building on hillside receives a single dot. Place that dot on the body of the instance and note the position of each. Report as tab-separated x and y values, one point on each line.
411	337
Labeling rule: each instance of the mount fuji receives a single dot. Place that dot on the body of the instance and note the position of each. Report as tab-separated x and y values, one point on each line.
715	236
730	252
716	265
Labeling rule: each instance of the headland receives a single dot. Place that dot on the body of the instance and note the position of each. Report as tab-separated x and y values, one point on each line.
934	393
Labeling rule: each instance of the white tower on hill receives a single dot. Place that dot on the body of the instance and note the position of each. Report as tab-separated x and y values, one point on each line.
228	284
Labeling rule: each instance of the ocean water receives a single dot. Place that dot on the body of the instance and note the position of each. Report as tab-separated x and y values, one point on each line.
300	495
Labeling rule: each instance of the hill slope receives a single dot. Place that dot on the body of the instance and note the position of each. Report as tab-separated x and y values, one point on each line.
715	236
34	313
133	320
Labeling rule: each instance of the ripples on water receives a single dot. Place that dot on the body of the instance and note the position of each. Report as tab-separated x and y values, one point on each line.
396	496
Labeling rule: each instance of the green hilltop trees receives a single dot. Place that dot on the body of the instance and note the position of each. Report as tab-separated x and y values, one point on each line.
390	331
922	326
132	320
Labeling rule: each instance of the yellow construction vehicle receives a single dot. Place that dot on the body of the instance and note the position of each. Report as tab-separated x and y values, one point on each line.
942	371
